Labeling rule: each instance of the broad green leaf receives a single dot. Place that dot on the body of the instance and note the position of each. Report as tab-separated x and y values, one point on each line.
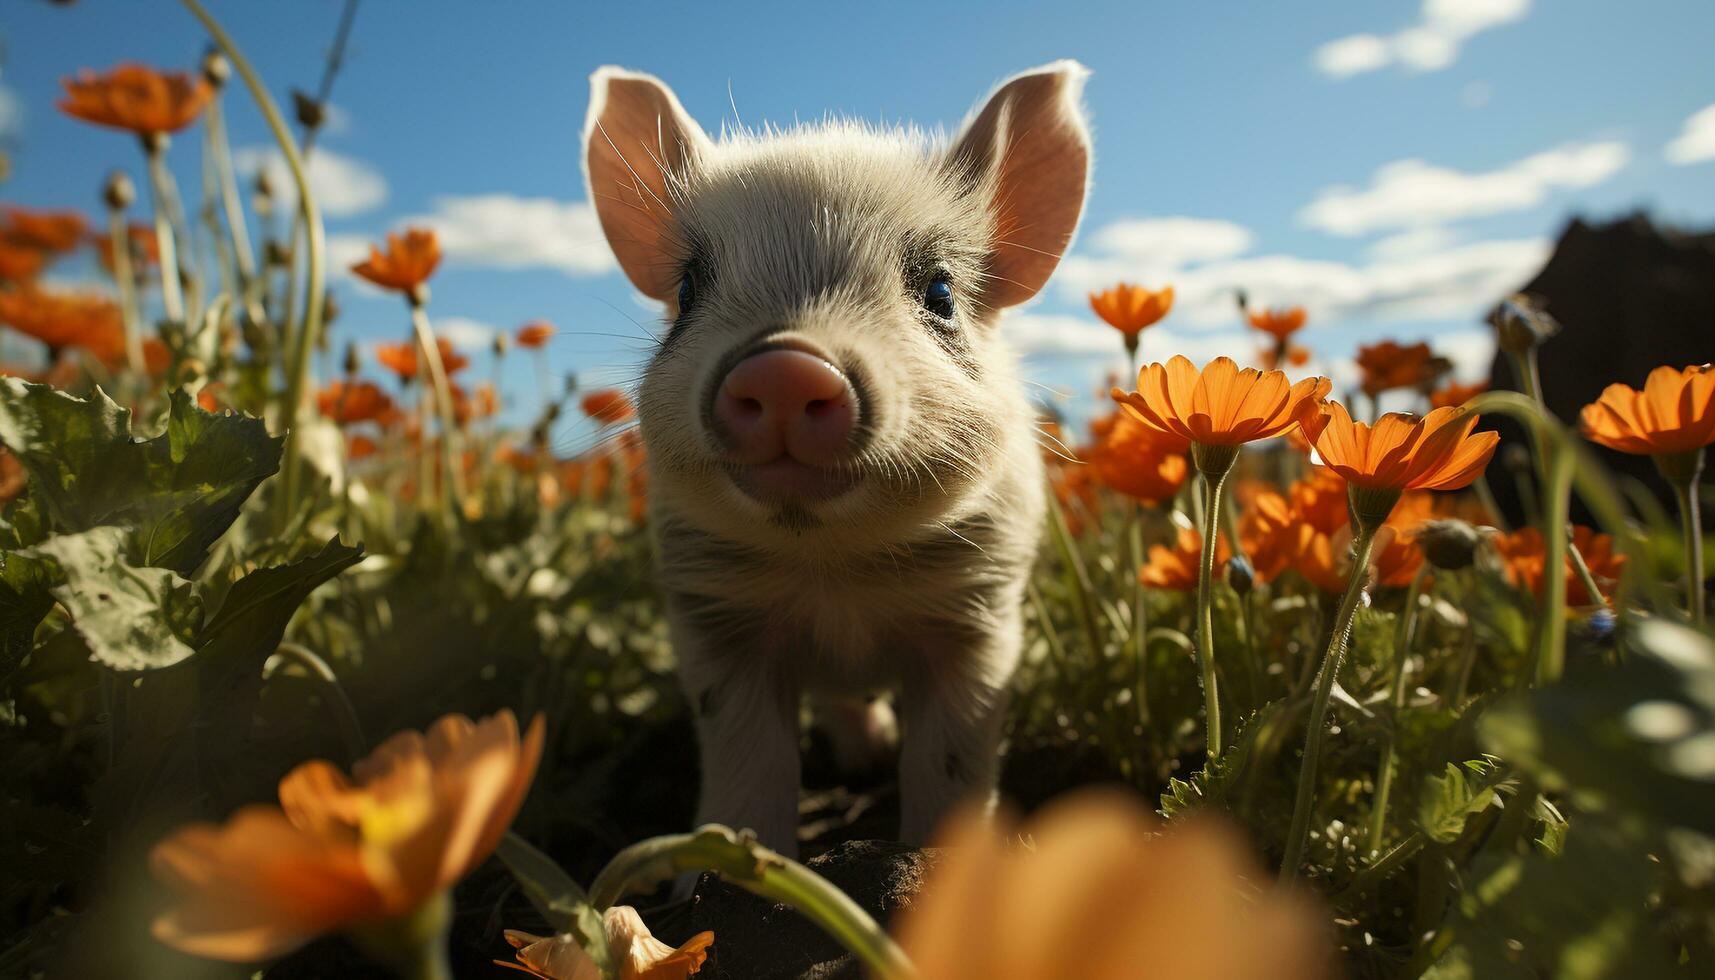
24	600
560	899
250	622
180	490
1448	800
131	618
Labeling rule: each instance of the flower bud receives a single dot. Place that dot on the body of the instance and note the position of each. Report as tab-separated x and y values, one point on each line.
1600	625
1521	324
1450	545
499	344
1240	575
311	114
119	192
216	68
352	362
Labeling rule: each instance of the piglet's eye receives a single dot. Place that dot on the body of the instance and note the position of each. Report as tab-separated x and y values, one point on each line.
938	298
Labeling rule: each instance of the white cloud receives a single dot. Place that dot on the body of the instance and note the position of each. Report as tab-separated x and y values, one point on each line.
11	112
465	333
1172	242
1696	141
344	186
1415	193
509	232
1421	274
1431	44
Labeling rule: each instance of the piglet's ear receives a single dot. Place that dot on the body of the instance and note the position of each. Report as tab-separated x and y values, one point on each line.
637	140
1028	149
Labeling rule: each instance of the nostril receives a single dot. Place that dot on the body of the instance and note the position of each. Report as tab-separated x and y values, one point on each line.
748	407
818	407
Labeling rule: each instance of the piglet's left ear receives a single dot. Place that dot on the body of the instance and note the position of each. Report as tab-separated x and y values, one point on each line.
1028	150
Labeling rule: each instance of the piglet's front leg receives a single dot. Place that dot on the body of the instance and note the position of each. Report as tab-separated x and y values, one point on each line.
953	706
747	734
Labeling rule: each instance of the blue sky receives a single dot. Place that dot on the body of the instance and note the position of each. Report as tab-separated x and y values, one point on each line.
1393	166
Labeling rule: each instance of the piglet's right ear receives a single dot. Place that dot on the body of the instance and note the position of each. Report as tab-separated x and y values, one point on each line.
637	139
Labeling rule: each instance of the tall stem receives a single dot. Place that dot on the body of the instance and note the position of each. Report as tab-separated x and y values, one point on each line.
160	196
243	254
1692	520
1468	641
316	245
453	473
1212	483
1390	760
1139	612
1302	805
119	236
1550	652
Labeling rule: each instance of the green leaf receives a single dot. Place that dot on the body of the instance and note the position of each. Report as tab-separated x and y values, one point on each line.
250	622
1214	783
558	897
24	600
1453	797
181	490
131	618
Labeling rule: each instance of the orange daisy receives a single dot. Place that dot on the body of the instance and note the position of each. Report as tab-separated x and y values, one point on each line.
608	406
1139	461
1674	413
535	333
1129	309
407	264
1456	394
1389	365
1525	556
350	402
20	262
401	358
338	853
1280	322
1175	568
1438	451
66	320
1220	405
137	98
47	231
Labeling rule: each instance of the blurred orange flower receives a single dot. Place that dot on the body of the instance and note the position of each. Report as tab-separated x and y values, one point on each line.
20	262
409	261
1280	322
608	406
535	333
1175	568
424	810
1456	394
1674	413
1438	451
1525	554
350	402
1139	461
360	447
1107	893
47	231
66	320
1220	405
401	358
1268	534
137	98
635	951
1129	309
1389	365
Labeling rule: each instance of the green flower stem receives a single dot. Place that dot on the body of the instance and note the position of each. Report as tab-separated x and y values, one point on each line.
160	191
1692	519
1077	578
453	489
738	859
1390	753
297	375
414	945
120	237
1139	612
1468	640
344	713
1336	654
1549	654
1214	462
243	254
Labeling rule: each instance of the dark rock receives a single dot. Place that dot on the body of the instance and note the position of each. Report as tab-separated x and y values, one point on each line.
760	940
1630	296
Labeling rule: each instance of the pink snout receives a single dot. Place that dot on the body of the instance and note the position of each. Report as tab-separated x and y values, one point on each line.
786	404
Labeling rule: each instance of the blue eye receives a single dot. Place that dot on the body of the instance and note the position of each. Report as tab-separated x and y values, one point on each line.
687	293
938	298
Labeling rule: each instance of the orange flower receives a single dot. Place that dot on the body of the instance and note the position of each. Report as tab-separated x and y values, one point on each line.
64	320
46	231
361	447
1129	309
1139	461
351	402
1221	405
535	333
1175	568
608	406
407	264
1388	365
20	262
336	854
1268	534
1437	451
1673	414
1456	394
137	98
1106	893
1321	534
1281	322
635	951
1525	555
401	359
